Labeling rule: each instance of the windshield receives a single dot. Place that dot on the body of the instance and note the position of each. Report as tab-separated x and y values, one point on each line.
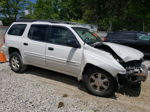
87	36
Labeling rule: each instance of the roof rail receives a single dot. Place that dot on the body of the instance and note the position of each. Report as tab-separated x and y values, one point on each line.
25	20
44	20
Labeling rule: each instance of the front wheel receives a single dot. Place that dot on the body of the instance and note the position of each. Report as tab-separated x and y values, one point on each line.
99	82
16	63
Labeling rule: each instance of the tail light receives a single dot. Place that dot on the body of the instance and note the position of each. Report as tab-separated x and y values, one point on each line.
4	38
104	39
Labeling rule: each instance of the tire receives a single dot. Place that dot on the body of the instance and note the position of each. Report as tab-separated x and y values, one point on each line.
104	85
16	63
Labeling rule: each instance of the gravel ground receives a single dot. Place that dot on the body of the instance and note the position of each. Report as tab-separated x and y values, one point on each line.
39	90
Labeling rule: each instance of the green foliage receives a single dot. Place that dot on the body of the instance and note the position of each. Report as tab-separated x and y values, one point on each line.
45	9
58	9
107	14
11	9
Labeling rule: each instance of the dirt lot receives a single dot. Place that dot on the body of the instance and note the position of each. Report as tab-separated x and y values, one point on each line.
40	90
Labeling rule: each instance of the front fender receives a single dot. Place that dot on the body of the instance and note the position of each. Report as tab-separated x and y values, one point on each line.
108	63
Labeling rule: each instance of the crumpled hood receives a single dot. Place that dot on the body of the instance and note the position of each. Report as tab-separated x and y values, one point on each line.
124	52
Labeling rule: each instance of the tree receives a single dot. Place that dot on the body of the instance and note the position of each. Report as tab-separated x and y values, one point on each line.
29	10
58	9
120	14
46	9
107	14
12	9
71	10
137	14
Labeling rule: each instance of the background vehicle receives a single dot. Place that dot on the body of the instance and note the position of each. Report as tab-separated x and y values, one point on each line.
102	35
72	50
138	40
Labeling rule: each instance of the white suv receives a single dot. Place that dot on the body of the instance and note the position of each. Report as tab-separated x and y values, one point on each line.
75	51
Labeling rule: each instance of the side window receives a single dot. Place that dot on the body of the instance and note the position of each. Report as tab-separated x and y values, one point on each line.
143	37
38	32
60	35
114	36
17	29
122	36
129	36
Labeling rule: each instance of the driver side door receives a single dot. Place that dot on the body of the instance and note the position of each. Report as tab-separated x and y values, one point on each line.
59	55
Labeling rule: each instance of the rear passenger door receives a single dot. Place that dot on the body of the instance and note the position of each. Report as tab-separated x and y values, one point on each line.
34	45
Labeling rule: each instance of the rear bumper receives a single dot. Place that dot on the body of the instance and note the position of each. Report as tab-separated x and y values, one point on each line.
5	50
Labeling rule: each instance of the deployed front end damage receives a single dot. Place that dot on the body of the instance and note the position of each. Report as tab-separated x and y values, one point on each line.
130	59
135	72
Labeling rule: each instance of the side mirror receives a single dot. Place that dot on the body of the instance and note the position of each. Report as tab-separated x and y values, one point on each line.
73	43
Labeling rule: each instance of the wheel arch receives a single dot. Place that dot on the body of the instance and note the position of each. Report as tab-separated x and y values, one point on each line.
13	49
91	66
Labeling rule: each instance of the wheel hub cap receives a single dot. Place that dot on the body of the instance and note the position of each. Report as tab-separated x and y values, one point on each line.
99	82
15	62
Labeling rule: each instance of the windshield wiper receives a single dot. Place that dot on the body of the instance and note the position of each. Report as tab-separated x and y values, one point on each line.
96	44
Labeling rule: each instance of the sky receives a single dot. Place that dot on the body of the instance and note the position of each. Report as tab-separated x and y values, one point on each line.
25	11
33	1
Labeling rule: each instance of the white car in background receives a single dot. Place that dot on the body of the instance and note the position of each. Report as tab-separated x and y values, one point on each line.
73	50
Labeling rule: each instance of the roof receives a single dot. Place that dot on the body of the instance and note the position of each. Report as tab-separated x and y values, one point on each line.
49	20
55	22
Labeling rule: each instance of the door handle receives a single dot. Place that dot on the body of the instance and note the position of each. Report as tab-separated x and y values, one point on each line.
50	48
26	44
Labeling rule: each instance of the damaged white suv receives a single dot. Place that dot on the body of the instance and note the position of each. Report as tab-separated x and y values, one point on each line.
73	50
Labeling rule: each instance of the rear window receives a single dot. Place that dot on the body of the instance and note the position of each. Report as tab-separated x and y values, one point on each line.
17	29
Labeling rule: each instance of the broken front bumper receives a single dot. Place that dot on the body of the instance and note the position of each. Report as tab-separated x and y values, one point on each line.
142	74
137	75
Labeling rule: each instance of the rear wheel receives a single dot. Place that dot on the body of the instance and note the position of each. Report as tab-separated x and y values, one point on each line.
99	82
16	63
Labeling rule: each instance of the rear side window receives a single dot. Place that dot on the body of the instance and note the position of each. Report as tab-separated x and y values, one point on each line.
17	29
38	32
